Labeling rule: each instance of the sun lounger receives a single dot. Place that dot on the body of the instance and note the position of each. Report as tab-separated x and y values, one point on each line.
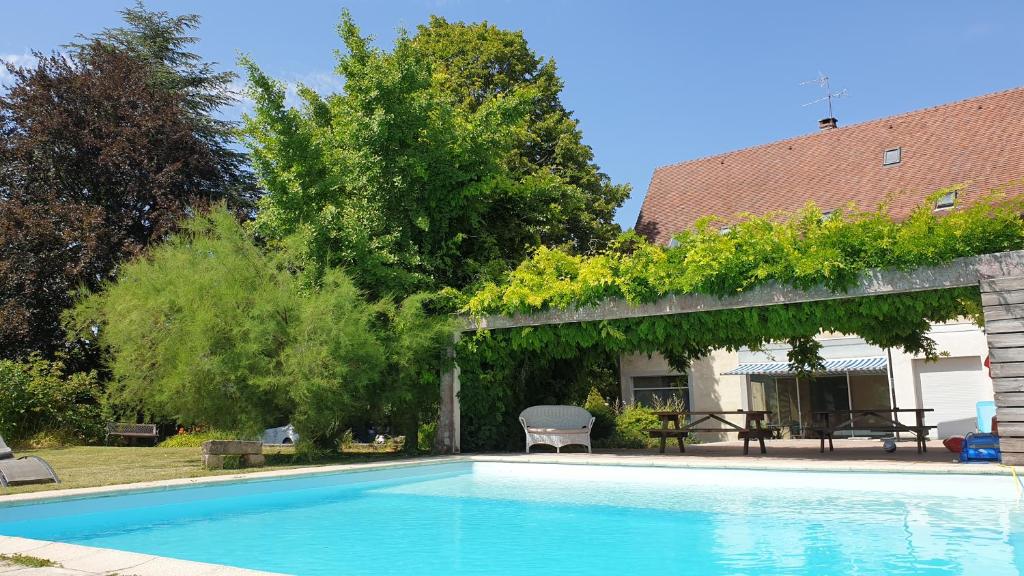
24	470
556	426
5	450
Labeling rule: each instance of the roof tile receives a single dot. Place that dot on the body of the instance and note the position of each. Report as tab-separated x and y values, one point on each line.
978	143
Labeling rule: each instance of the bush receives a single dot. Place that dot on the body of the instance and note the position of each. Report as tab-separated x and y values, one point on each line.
196	439
604	416
308	452
389	444
425	438
38	399
210	328
631	426
49	439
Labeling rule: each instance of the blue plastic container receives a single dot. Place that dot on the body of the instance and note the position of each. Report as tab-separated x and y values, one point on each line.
980	447
986	410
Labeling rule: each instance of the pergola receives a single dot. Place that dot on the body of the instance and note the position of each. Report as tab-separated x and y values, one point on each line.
1000	278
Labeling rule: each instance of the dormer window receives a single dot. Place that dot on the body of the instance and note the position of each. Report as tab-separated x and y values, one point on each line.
892	156
945	201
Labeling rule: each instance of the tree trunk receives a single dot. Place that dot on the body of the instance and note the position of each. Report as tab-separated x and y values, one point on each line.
409	426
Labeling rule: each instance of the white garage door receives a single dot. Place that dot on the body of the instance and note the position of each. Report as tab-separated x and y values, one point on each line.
952	387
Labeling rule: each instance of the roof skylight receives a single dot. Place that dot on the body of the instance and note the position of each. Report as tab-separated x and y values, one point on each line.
892	156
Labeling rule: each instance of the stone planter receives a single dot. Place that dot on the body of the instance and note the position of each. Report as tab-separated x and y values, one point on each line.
214	452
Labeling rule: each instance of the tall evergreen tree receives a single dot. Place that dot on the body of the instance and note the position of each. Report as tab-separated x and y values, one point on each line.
164	43
102	153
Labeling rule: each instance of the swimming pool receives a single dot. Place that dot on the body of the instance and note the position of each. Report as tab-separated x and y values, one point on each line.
523	518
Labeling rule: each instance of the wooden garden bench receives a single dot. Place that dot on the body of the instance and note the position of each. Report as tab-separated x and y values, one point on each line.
127	430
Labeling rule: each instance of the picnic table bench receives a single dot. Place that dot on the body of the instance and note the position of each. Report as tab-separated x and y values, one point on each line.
825	424
129	430
753	427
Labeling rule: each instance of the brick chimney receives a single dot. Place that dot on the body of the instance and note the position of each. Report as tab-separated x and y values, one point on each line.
828	123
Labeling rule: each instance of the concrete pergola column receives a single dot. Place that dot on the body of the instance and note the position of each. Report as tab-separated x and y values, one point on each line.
449	421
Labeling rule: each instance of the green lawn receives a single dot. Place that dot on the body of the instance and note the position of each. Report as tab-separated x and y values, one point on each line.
83	466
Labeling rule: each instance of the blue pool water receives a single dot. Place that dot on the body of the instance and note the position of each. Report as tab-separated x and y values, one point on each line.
532	519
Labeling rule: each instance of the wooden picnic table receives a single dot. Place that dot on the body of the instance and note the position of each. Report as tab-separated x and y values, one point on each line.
824	427
753	426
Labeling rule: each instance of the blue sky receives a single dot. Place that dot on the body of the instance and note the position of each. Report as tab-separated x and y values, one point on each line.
652	83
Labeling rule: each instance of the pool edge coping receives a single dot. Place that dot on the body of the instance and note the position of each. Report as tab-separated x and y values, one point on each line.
93	560
237	478
541	458
658	461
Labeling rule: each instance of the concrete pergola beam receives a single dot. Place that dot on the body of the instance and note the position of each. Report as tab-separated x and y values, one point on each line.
956	274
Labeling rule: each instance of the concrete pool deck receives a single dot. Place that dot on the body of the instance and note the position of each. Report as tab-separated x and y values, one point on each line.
783	455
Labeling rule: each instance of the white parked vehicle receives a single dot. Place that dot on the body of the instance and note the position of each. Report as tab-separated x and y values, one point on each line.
280	435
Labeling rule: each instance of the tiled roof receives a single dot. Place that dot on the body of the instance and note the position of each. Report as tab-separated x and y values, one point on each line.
978	143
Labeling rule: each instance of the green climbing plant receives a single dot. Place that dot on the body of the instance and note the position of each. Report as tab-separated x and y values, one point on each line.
802	250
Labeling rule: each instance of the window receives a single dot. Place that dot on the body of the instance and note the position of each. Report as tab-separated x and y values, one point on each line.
892	156
660	390
673	243
827	214
946	200
724	230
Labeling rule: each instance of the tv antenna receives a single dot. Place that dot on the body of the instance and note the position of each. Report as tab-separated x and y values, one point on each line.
822	81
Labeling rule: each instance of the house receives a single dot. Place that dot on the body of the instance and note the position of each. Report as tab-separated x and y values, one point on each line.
972	146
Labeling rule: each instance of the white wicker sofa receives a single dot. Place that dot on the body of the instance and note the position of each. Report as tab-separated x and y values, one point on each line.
556	426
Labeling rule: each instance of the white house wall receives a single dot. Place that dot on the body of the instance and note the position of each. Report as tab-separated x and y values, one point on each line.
710	390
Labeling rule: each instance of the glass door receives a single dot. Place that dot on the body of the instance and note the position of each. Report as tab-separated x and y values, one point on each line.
780	397
871	392
830	394
788	407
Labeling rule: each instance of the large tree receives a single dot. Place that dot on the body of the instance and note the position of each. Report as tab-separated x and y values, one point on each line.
101	154
477	62
412	177
45	250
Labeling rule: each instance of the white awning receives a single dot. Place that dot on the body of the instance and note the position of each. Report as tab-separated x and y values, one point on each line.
873	365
